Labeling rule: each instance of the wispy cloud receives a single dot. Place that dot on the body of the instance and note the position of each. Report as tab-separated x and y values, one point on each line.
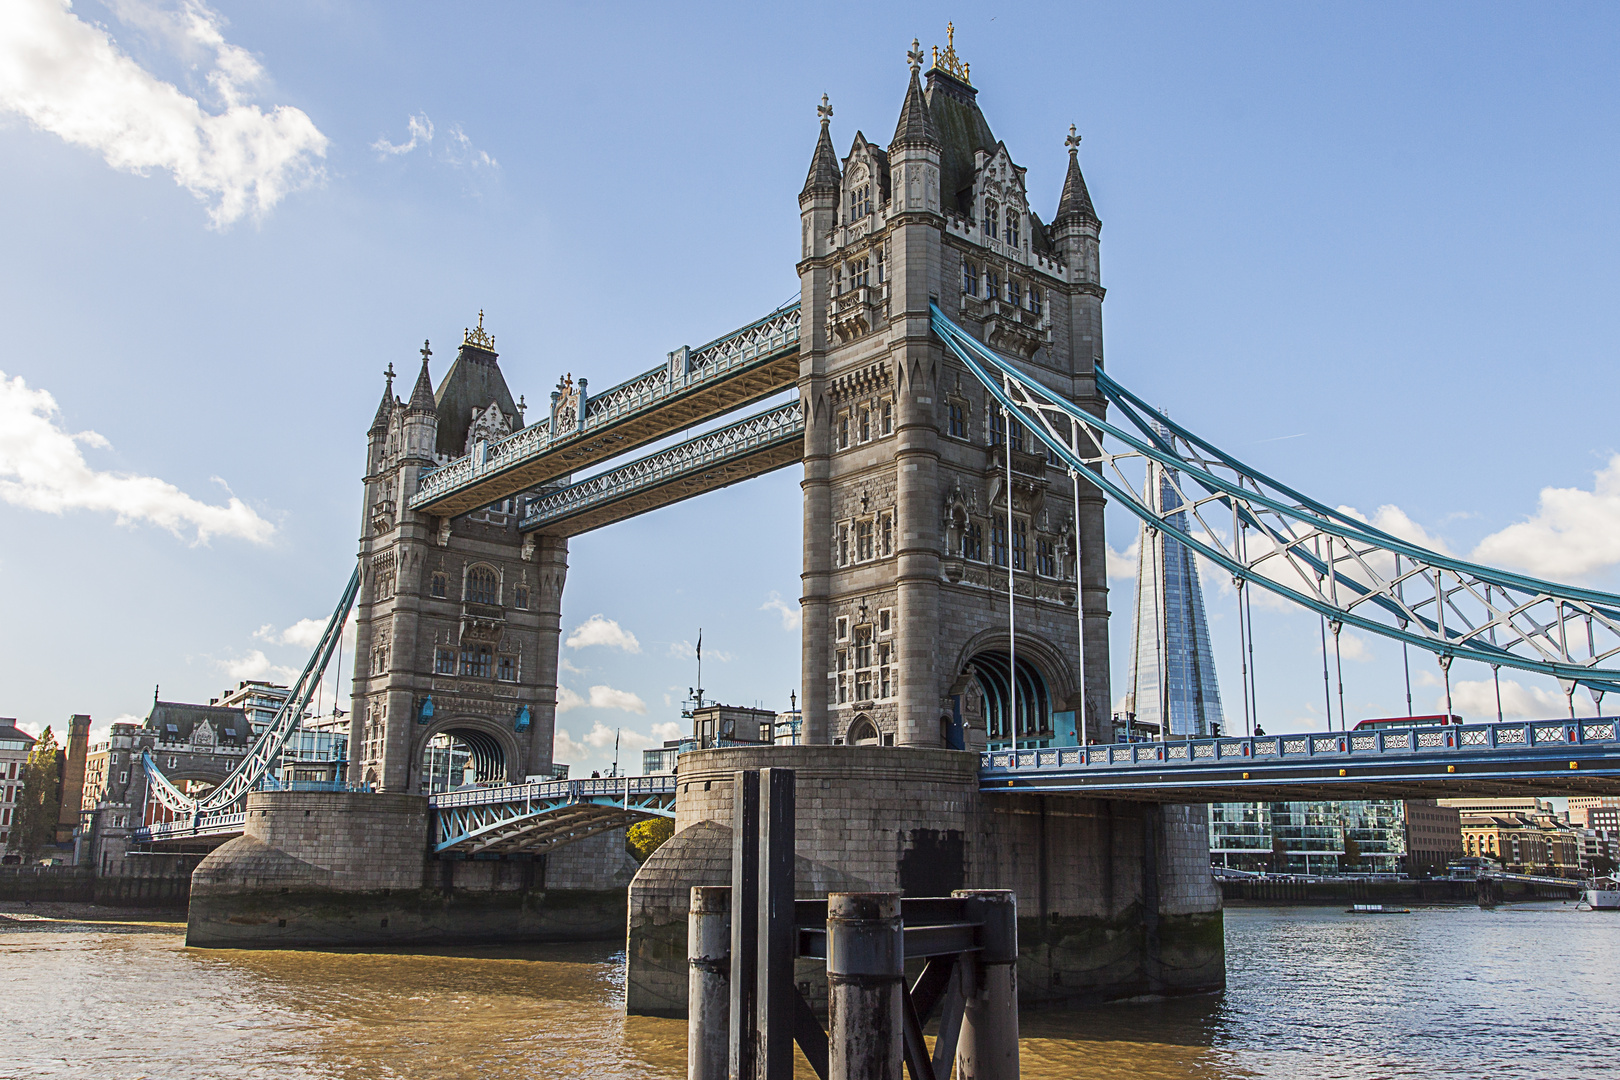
597	630
42	467
253	664
67	77
1122	564
687	651
1476	700
790	612
564	748
600	697
305	633
564	664
455	148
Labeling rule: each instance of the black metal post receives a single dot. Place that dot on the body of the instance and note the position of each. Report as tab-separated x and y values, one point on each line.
775	993
988	1049
742	1055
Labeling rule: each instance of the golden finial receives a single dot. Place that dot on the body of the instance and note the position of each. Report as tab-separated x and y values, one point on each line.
477	337
948	61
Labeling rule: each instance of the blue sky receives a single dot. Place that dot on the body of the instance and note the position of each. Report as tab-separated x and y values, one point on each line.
1367	247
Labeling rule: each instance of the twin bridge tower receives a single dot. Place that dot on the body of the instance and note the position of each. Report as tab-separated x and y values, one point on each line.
919	491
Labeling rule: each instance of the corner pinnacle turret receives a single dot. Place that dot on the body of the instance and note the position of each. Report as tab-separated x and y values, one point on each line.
422	394
379	424
1075	205
825	177
914	128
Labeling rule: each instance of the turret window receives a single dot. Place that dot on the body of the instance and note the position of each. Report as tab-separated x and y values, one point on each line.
843	431
1020	545
1012	227
444	661
859	270
860	201
958	421
1034	300
866	425
970	277
992	285
520	597
1045	558
438	585
992	219
506	669
476	661
887	412
843	547
973	542
863	540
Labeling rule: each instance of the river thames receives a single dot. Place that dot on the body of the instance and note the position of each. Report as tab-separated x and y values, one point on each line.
1520	991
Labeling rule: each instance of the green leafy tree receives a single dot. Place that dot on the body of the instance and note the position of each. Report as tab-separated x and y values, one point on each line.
646	837
34	823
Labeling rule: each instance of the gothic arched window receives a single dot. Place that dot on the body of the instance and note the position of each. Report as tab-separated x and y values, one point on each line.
992	219
483	587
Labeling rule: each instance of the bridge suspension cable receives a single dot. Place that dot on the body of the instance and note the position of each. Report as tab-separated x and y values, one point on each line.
268	746
1326	560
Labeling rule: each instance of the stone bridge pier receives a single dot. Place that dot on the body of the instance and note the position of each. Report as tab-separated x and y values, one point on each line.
1115	899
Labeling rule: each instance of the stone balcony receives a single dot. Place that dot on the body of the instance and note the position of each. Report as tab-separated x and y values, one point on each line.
482	623
854	313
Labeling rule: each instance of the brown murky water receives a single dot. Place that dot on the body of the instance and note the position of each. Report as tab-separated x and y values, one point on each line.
1517	992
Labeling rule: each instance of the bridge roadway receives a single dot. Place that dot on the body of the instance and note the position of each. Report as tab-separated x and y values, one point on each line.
694	386
1539	758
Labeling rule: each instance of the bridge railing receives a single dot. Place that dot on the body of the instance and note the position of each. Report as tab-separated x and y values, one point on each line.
1292	746
209	824
557	790
687	370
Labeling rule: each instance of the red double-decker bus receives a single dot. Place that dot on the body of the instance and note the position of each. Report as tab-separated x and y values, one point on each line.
1437	720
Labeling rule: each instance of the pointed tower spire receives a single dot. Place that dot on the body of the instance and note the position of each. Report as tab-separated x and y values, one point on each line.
379	424
422	395
825	176
914	128
1075	205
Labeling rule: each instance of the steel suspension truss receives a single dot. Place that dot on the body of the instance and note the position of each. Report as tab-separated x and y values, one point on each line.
539	816
268	746
1324	559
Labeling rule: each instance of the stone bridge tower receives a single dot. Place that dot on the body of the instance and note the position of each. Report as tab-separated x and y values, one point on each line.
906	542
458	619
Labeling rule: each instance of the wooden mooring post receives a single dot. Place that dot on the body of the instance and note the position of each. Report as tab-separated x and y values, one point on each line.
746	1014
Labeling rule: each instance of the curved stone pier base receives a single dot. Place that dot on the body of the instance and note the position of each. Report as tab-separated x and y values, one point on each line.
1114	899
320	869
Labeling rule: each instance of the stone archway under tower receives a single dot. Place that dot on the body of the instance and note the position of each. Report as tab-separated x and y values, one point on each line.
461	750
981	695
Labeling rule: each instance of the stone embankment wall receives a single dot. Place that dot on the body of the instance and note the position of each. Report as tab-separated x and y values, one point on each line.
160	882
324	869
1343	892
1115	899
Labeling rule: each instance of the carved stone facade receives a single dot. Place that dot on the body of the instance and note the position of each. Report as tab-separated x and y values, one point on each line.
907	541
458	619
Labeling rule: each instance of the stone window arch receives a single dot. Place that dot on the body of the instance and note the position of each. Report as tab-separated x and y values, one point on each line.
862	732
483	585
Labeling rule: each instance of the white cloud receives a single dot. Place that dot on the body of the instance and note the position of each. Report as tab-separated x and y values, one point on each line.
599	631
600	697
67	77
564	664
305	633
564	748
669	729
255	665
1354	647
455	149
1122	564
42	467
789	612
421	132
601	736
1573	534
687	651
1477	701
605	697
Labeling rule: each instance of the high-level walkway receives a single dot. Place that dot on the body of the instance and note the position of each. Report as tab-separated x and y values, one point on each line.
694	386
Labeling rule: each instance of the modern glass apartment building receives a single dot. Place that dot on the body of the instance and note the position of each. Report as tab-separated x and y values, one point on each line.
1361	836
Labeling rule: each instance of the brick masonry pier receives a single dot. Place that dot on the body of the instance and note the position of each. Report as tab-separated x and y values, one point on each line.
1115	899
318	868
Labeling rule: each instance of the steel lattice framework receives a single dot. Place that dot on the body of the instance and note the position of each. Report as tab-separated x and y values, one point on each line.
529	817
268	746
1324	559
751	447
694	385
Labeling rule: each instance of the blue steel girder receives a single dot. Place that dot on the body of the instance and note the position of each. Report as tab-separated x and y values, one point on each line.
1541	758
541	816
751	447
268	746
694	386
1324	559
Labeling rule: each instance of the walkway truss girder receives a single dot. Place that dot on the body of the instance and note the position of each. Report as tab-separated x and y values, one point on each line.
542	816
1327	560
752	447
695	385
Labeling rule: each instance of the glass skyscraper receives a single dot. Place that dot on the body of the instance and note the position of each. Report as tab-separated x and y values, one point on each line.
1172	669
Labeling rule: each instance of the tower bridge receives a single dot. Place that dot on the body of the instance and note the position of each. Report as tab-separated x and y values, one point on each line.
959	440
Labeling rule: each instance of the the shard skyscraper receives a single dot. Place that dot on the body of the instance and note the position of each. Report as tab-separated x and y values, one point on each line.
1172	668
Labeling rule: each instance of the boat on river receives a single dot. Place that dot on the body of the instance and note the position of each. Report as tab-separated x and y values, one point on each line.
1378	909
1603	894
